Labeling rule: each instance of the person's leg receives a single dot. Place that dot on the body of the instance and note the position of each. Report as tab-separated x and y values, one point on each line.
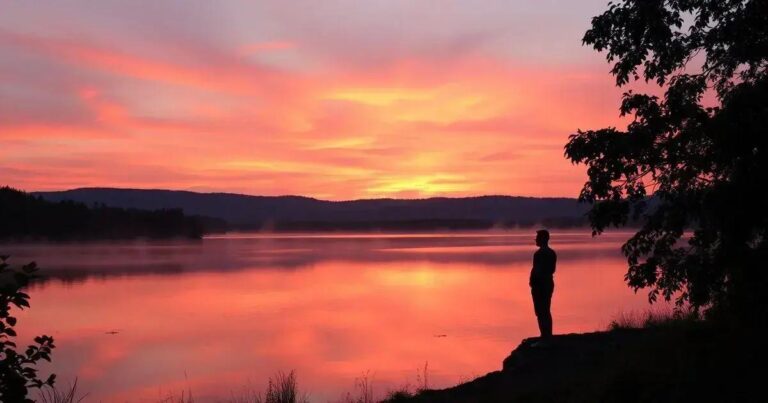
539	305
546	313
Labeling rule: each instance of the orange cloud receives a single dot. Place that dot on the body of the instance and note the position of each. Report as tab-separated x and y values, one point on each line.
409	128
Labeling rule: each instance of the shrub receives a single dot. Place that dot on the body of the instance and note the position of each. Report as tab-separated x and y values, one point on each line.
18	372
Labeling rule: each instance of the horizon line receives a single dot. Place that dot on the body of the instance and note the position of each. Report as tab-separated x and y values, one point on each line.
293	195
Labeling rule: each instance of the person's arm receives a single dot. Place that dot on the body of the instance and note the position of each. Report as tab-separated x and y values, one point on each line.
553	267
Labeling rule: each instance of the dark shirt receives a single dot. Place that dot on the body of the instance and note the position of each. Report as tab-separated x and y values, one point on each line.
544	261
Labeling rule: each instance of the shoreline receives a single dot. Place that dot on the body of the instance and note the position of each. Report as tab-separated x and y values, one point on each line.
679	361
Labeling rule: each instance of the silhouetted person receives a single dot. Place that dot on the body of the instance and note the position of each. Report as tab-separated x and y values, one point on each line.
542	282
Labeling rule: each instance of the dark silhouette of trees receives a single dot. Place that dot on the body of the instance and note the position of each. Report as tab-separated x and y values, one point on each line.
24	216
18	372
706	167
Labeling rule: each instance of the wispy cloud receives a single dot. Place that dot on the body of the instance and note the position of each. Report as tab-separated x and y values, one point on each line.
328	100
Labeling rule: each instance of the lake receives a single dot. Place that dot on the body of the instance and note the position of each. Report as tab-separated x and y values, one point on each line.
141	321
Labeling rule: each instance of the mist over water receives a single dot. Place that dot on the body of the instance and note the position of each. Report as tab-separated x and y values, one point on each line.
136	321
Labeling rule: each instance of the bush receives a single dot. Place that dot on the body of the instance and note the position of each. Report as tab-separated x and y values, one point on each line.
17	370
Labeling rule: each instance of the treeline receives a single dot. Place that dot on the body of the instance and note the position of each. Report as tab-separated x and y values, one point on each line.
415	225
27	217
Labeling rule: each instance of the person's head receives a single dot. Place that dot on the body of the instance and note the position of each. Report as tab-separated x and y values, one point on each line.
542	238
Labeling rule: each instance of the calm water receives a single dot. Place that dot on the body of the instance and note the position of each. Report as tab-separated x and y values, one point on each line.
140	321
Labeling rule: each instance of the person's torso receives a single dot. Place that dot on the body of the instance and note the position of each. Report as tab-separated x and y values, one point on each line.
544	265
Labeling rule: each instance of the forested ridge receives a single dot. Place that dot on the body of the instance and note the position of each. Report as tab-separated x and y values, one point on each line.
27	217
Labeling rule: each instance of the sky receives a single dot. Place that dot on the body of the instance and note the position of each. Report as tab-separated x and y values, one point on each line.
330	99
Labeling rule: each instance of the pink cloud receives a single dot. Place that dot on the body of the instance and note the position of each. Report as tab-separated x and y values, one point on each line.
203	118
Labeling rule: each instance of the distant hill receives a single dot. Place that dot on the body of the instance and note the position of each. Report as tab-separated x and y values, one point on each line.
302	213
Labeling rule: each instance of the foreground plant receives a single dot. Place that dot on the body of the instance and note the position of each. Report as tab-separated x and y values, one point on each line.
18	372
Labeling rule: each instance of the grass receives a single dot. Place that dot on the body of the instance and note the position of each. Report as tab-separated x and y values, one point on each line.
407	392
363	391
56	395
659	317
186	397
281	388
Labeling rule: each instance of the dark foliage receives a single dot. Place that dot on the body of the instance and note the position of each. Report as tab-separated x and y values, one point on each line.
705	166
17	369
29	217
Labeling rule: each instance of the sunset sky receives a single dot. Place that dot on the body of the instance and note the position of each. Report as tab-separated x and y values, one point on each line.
330	99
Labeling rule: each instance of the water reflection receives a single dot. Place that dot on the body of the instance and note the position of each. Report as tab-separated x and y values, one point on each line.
136	321
76	262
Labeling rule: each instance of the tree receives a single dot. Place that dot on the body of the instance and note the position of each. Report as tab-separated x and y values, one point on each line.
680	166
17	370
